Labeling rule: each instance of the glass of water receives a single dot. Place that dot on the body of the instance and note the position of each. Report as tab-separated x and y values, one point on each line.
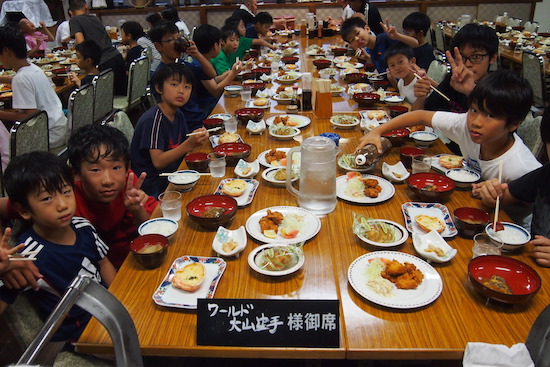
230	125
486	245
421	163
246	94
217	164
170	204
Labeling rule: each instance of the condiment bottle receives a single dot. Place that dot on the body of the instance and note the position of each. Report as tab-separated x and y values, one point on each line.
303	29
306	92
369	154
320	29
296	99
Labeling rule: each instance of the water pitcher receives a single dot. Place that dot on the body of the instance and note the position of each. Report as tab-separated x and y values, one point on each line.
317	191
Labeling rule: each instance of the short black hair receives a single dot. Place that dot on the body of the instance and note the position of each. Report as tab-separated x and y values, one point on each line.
153	18
349	26
13	40
161	28
233	21
263	17
399	49
89	50
85	145
29	172
476	36
170	13
205	37
177	70
228	31
417	21
503	94
133	28
76	4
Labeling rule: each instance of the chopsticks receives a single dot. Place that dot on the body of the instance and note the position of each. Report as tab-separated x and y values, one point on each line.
380	74
323	85
184	174
497	205
209	130
21	256
434	89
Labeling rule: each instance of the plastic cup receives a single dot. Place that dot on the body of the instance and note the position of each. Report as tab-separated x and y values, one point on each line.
217	164
230	125
170	204
485	245
421	163
274	67
246	94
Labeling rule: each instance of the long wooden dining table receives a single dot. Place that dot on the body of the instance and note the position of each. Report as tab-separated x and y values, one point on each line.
439	330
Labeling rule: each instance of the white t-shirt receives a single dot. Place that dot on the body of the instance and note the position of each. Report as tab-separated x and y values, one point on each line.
347	12
407	91
182	26
63	31
146	42
4	146
32	90
518	160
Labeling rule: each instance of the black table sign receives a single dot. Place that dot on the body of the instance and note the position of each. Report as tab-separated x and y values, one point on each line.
268	323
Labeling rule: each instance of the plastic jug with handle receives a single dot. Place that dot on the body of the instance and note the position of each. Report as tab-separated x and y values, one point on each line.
317	192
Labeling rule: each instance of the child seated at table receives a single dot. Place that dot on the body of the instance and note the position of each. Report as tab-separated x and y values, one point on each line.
245	43
229	44
31	88
400	59
36	41
486	133
474	48
160	139
88	55
417	25
356	31
260	27
64	245
130	32
530	188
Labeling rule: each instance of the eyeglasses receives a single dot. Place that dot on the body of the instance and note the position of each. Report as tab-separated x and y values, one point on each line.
474	59
169	40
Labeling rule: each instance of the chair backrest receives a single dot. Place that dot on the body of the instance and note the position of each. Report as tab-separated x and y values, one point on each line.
103	94
120	120
538	340
148	52
30	135
440	37
81	107
529	132
138	79
438	70
533	70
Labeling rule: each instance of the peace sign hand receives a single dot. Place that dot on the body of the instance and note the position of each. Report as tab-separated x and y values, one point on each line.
135	198
462	79
389	29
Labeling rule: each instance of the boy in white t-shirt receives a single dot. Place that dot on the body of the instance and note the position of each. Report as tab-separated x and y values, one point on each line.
486	133
400	60
32	90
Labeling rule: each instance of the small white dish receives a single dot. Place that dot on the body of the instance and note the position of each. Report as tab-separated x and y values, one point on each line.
401	234
295	132
396	172
254	254
422	244
233	90
255	127
344	121
423	138
265	78
250	104
243	165
368	125
184	180
164	226
223	116
513	236
463	178
394	100
269	176
224	235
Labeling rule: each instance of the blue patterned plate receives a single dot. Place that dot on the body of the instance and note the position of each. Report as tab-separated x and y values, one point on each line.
246	197
411	210
169	296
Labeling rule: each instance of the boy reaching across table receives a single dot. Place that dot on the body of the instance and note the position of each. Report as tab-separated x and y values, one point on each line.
229	44
244	42
485	134
260	27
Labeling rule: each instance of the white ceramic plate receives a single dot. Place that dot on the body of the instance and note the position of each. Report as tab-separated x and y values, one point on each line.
320	52
390	171
263	162
427	292
250	104
513	236
411	210
387	190
342	165
269	176
334	120
438	167
215	140
223	235
295	132
421	242
164	226
398	227
242	164
169	296
280	79
299	120
311	225
349	64
259	249
365	117
281	100
223	116
247	196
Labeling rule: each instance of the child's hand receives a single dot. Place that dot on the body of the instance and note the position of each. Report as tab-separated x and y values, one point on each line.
135	198
489	191
362	54
541	250
371	138
237	66
5	250
199	139
422	87
43	25
17	274
192	50
389	29
462	79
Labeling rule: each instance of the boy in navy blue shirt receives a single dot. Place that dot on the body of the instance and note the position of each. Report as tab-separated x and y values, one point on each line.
417	25
260	27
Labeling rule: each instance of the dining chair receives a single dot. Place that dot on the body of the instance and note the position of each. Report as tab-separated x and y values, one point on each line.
103	94
138	78
438	70
30	135
538	340
440	37
120	120
529	132
533	70
81	107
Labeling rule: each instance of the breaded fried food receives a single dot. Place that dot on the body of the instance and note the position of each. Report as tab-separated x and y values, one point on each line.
274	155
371	192
281	120
414	128
395	268
404	276
370	182
271	221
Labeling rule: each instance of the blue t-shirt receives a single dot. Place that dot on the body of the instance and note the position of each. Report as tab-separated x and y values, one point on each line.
250	31
60	264
201	103
383	42
424	55
154	131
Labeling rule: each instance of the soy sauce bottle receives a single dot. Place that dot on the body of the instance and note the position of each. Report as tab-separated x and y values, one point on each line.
369	154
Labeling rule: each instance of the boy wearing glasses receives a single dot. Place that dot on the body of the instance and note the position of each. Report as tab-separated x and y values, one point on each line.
475	49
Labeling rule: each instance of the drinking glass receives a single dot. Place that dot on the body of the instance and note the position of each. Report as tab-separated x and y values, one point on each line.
170	204
274	67
485	245
329	54
421	163
230	125
217	164
246	94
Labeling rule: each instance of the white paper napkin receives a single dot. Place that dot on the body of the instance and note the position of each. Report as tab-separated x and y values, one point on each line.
496	355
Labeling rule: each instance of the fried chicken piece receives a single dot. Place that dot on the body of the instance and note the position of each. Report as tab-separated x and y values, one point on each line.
267	224
406	281
414	128
395	268
280	89
275	217
371	192
274	155
370	182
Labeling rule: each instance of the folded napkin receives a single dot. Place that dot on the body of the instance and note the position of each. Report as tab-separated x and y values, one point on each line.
496	355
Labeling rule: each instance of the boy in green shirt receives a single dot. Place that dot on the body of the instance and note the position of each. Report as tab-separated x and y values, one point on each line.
229	44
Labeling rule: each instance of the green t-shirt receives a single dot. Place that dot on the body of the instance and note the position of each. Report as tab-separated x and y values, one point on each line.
244	45
221	62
